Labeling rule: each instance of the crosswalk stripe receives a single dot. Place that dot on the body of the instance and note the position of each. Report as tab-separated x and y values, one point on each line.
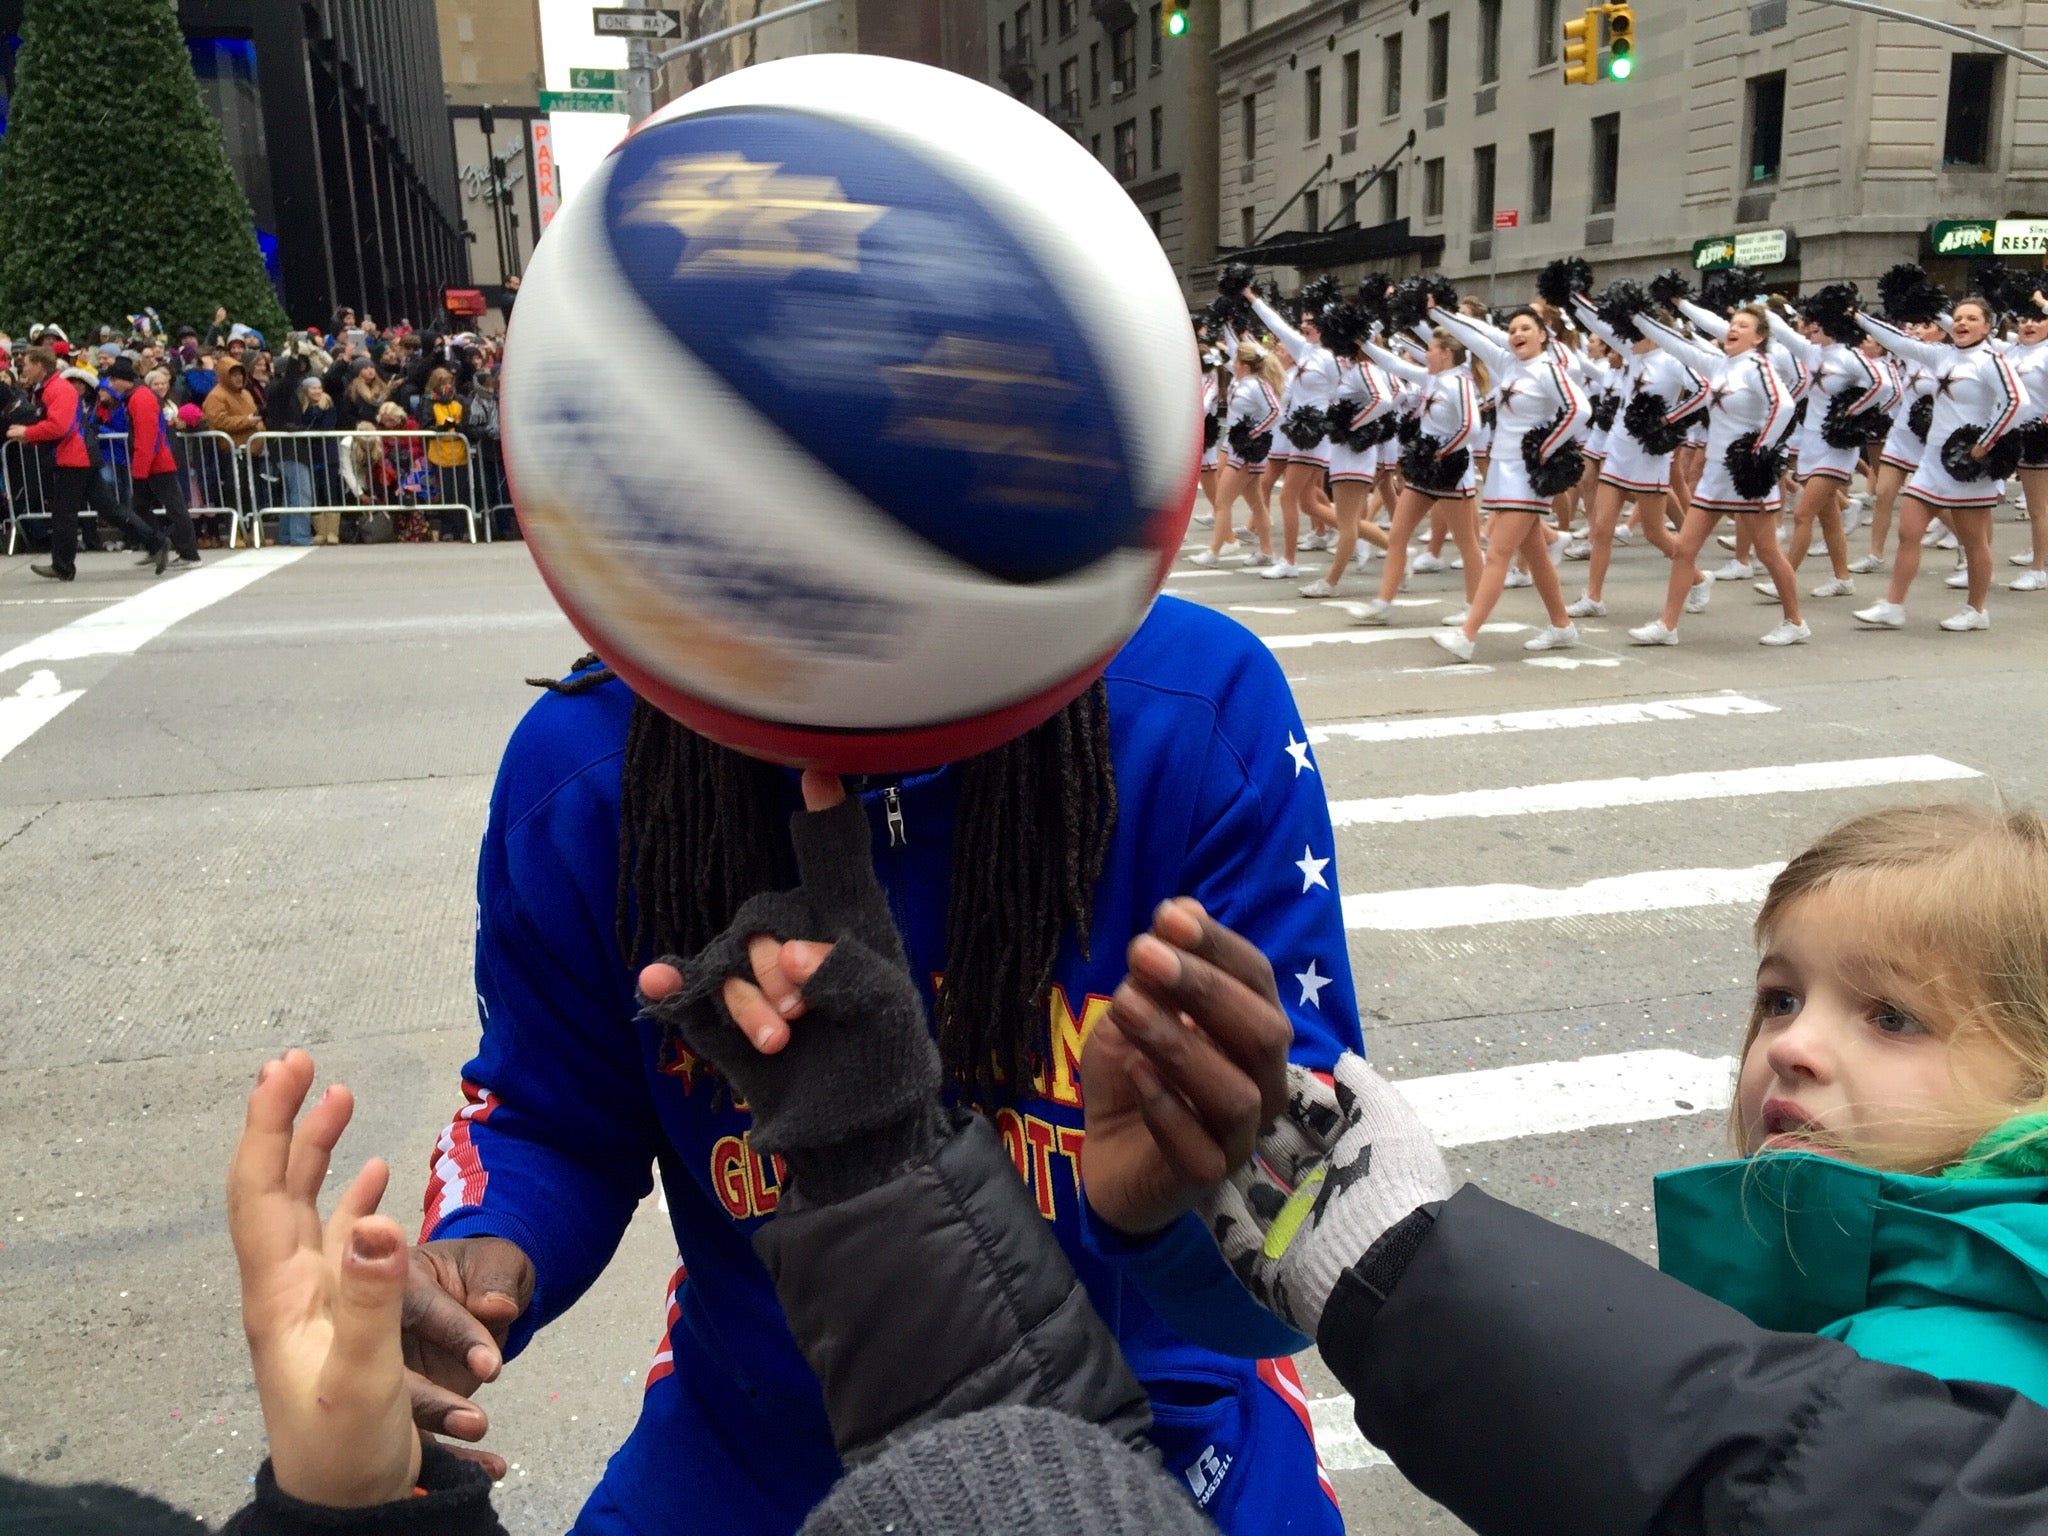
1468	906
1665	789
1548	1098
1442	727
1372	636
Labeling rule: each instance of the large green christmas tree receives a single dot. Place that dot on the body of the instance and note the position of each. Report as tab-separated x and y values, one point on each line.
115	188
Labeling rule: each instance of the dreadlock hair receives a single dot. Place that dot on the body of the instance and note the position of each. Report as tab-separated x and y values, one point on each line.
702	829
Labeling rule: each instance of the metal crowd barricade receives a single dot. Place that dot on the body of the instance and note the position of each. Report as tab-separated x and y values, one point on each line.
207	465
430	475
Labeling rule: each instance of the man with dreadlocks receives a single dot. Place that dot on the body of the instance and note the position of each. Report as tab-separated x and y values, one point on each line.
1028	886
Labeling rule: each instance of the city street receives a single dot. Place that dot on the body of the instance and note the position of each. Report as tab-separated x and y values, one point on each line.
239	809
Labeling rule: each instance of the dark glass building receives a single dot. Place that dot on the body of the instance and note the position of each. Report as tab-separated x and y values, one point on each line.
335	121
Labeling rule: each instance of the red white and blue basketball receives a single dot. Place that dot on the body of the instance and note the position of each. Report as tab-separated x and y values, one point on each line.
852	413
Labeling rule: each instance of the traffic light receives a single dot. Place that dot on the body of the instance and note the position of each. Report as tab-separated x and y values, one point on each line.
1582	49
1173	18
1621	41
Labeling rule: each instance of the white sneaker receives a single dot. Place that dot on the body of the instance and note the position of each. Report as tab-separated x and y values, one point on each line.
1653	633
1361	558
1838	587
1788	633
1427	564
1735	570
1205	519
2024	557
1456	620
1948	541
1966	618
1204	559
1559	543
1247	538
1457	562
1579	549
1767	588
1319	588
1554	639
1725	540
1454	642
1701	594
1588	608
1852	517
1958	579
2033	581
1517	577
1863	501
1623	534
1883	615
1936	530
1374	612
1867	565
1281	570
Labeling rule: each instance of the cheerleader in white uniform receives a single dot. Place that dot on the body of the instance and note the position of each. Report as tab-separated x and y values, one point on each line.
1904	446
1602	380
1214	397
1797	382
1845	388
1303	409
1436	464
1749	413
1247	438
1542	414
1363	408
1657	392
1978	400
2029	359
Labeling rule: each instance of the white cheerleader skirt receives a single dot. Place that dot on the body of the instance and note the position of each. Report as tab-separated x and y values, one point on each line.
1933	484
1716	492
1480	443
1350	466
1507	483
1211	456
1596	445
1817	456
1904	448
1633	468
1284	451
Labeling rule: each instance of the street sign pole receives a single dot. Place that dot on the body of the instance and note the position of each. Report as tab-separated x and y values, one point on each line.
1504	219
739	28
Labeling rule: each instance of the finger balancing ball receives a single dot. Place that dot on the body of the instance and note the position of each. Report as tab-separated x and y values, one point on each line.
851	412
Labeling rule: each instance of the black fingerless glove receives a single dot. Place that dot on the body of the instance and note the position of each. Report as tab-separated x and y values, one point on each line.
853	1098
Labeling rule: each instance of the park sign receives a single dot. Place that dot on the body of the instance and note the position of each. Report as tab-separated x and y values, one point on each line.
1759	248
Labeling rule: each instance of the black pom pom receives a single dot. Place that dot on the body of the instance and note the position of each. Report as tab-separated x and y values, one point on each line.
1840	429
1489	415
2034	443
1425	471
1645	422
1829	309
1562	470
1409	429
1212	429
1604	408
1408	304
1668	287
1441	289
1619	305
1235	277
1920	420
1343	327
1339	417
1322	291
1754	475
1305	426
1372	296
1268	288
1879	426
1561	280
1250	446
1999	463
1910	296
1730	288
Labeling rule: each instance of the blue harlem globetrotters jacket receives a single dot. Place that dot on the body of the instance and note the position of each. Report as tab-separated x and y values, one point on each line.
569	1103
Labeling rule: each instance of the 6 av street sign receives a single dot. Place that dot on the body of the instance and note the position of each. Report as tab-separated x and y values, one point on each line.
616	21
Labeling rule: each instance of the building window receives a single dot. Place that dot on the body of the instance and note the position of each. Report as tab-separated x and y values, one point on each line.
1045	82
1023	28
1070	16
1123	57
1245	225
1972	108
1489	41
1347	203
1127	150
1485	160
1158	137
1439	57
1390	94
1095	147
1248	128
1158	224
1312	105
1433	189
1549	29
1312	211
1094	73
1045	21
1606	161
1350	91
1390	197
1766	126
1070	88
1158	25
1542	174
1002	38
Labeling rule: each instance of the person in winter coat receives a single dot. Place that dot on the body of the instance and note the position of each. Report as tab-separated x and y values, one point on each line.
155	468
448	451
294	460
61	431
1892	1105
480	424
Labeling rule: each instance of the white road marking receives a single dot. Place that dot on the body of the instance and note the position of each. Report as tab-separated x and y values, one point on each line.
1338	1442
1648	712
1374	636
1467	670
31	707
1470	906
1195	575
127	626
1664	789
1284	613
1571	663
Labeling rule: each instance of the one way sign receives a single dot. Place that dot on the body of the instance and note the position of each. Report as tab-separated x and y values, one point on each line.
618	22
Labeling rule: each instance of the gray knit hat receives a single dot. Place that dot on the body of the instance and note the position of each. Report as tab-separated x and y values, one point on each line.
1009	1472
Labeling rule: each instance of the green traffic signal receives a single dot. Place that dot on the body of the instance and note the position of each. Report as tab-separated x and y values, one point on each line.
1622	68
1176	23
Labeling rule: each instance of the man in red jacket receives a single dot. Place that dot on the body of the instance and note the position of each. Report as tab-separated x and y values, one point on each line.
62	429
154	469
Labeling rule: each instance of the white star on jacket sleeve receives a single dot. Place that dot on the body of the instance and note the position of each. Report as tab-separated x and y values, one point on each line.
1298	750
1311	869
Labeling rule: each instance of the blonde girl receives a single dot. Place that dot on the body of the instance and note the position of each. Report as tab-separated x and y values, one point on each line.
1254	411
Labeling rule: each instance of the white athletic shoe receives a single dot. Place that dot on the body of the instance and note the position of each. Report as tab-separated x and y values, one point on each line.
2024	557
1588	608
1374	612
1247	538
1205	519
1554	639
1966	618
1456	620
1852	517
1958	579
1361	558
1281	570
1427	564
1457	562
2033	581
1725	540
1653	633
1863	501
1559	543
1579	549
1319	588
1767	588
1735	570
1838	587
1883	615
1788	633
1204	559
1701	594
1623	534
1867	565
1454	642
1517	577
1936	531
1948	541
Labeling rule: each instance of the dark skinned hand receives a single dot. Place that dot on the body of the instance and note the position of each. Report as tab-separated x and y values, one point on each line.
1178	1080
462	1296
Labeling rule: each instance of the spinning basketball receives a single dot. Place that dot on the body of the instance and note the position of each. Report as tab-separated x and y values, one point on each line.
910	434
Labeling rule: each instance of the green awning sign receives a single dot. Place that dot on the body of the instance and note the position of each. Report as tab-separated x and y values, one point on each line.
1964	237
1708	255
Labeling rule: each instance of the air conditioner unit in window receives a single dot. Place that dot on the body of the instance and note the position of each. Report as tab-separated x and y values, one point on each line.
1116	89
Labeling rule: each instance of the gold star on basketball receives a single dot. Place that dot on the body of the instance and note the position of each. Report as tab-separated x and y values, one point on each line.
740	215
